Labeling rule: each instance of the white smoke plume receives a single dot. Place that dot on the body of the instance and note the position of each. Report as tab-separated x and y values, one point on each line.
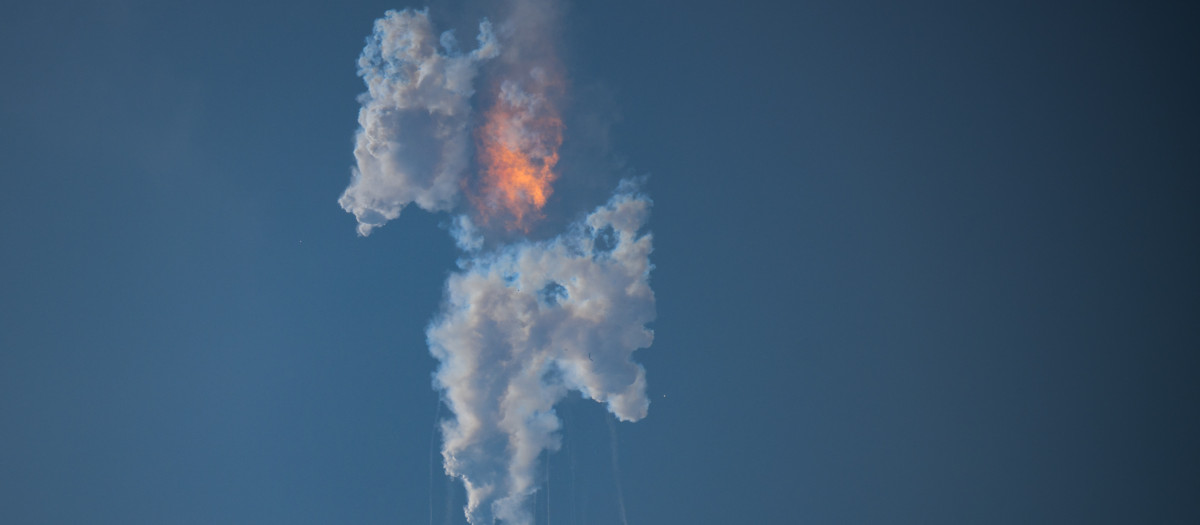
523	326
413	144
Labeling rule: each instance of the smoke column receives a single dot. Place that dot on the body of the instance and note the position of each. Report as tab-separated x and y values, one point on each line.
523	321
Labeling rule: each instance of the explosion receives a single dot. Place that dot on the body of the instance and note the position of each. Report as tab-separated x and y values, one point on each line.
524	322
518	149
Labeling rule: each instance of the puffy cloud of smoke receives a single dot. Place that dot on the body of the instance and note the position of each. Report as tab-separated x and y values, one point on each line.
413	143
524	325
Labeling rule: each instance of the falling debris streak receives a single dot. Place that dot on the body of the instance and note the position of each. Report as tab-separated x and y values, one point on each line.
448	518
568	440
616	464
437	415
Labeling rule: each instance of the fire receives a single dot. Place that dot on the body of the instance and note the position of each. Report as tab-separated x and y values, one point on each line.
518	150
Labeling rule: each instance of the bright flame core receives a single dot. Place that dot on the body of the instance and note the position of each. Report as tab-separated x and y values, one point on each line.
518	149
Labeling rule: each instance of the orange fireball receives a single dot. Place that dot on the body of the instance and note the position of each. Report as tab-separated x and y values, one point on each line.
518	150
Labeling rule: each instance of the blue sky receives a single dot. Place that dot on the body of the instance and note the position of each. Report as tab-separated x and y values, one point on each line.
920	263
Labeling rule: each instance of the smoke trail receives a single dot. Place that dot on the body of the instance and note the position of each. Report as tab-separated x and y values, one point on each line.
616	464
521	324
437	415
570	438
449	510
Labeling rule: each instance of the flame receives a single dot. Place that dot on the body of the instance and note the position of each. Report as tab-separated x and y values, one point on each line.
518	150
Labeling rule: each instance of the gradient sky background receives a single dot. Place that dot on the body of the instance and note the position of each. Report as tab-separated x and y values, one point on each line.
919	263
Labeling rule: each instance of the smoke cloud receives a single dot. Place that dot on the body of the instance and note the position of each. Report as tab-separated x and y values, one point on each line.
413	141
522	324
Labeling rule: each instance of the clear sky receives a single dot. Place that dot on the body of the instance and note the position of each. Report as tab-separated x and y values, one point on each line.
915	262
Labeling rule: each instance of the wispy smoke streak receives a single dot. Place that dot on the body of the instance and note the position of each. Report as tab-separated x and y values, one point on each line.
437	417
616	467
571	457
449	511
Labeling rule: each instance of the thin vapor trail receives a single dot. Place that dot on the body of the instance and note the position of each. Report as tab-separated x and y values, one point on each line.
568	438
437	415
571	456
449	502
612	435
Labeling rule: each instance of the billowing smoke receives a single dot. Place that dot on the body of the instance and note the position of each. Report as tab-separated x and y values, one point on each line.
413	140
524	323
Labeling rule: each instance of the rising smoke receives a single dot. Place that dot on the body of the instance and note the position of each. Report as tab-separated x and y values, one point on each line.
523	322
